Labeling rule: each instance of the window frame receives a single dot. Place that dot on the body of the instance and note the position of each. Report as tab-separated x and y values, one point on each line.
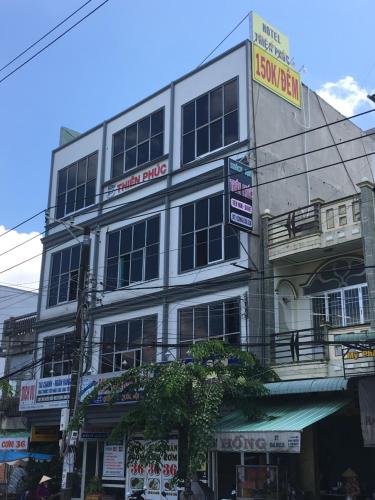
79	245
113	353
75	189
225	335
66	338
150	160
344	319
144	256
221	224
209	122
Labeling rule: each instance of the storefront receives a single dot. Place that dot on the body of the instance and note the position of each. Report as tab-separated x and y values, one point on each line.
106	462
268	458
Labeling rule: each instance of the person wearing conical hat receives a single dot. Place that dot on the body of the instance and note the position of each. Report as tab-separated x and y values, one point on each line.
43	491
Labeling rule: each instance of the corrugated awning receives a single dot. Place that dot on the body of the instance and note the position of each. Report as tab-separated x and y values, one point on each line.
12	456
329	384
281	417
278	431
356	337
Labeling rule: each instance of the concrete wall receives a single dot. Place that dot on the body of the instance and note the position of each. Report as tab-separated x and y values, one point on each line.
276	119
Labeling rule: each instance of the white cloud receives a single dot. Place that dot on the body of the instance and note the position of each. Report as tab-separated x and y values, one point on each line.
26	275
345	95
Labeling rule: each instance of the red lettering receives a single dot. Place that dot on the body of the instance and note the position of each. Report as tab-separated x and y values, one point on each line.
288	84
283	80
273	74
262	67
257	66
295	88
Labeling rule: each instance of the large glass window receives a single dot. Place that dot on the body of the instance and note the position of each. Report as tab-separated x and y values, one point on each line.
125	344
63	285
344	307
76	186
204	238
58	351
139	143
210	121
217	320
133	254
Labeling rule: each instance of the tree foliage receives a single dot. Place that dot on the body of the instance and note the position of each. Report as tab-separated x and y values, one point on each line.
185	398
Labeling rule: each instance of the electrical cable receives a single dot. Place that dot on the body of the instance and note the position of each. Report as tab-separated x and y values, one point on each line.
44	36
228	156
52	42
223	40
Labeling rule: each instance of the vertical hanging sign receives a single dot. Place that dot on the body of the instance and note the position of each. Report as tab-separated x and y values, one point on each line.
239	194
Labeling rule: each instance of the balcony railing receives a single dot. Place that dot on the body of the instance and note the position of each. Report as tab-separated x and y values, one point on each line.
295	347
20	325
301	222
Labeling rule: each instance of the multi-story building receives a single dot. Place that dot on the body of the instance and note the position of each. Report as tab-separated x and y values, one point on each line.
17	334
165	267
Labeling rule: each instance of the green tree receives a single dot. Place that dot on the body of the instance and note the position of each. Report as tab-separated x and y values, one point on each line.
6	389
186	397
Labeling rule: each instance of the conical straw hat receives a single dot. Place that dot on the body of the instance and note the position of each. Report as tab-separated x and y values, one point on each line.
44	479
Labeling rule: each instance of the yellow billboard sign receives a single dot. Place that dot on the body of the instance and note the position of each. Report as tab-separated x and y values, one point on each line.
269	38
45	434
276	76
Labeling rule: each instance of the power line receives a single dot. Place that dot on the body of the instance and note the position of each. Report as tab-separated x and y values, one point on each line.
228	156
44	36
173	188
53	41
21	223
223	40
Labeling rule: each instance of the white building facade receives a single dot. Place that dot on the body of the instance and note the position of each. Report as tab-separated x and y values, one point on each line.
165	267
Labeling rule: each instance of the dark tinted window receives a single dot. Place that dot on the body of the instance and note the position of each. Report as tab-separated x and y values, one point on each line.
138	143
210	121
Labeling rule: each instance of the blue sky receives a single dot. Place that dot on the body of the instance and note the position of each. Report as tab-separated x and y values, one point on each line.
127	50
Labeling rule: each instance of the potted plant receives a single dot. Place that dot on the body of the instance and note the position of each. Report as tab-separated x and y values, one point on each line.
94	489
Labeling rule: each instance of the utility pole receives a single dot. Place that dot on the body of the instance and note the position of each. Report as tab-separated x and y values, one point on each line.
70	437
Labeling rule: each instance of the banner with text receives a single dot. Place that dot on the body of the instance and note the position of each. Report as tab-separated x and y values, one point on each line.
276	76
114	460
14	443
90	382
140	178
44	393
157	481
259	442
239	195
269	38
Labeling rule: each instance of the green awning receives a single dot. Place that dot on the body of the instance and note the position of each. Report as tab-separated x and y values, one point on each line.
328	384
356	337
279	431
281	417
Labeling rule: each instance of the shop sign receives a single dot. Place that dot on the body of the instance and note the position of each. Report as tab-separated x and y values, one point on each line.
114	460
44	393
269	38
259	442
14	443
156	481
276	76
239	195
366	390
137	179
45	434
90	382
94	433
27	395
